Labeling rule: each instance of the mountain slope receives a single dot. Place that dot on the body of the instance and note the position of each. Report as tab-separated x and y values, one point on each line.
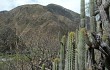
40	26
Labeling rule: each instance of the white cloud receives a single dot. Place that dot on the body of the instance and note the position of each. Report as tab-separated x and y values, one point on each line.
69	4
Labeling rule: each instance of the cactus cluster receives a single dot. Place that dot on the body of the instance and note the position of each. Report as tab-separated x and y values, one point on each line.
77	51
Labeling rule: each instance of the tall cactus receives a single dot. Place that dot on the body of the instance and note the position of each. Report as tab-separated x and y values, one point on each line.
70	54
92	17
81	41
92	29
82	16
76	53
56	64
81	49
62	53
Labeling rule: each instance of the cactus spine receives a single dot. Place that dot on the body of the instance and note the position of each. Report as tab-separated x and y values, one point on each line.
62	53
70	54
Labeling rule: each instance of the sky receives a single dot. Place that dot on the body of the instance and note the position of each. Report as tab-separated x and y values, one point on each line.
73	5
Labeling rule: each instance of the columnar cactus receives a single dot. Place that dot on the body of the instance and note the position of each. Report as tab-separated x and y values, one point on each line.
92	29
56	64
92	17
62	53
81	41
81	49
76	38
70	54
82	16
76	53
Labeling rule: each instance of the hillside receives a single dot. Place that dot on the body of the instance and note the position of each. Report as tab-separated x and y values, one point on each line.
36	26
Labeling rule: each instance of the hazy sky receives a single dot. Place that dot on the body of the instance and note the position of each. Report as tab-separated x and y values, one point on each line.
73	5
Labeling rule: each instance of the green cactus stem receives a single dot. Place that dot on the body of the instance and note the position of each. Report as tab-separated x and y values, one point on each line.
76	52
82	16
81	49
56	64
70	54
62	53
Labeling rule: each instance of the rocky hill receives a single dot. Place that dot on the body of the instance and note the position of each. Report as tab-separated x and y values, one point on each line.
36	26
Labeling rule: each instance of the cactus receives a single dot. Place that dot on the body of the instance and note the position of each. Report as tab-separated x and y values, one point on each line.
76	54
70	54
92	29
56	64
81	41
92	17
82	16
81	49
62	53
43	66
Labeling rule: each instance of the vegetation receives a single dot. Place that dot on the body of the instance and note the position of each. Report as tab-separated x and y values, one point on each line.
85	49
